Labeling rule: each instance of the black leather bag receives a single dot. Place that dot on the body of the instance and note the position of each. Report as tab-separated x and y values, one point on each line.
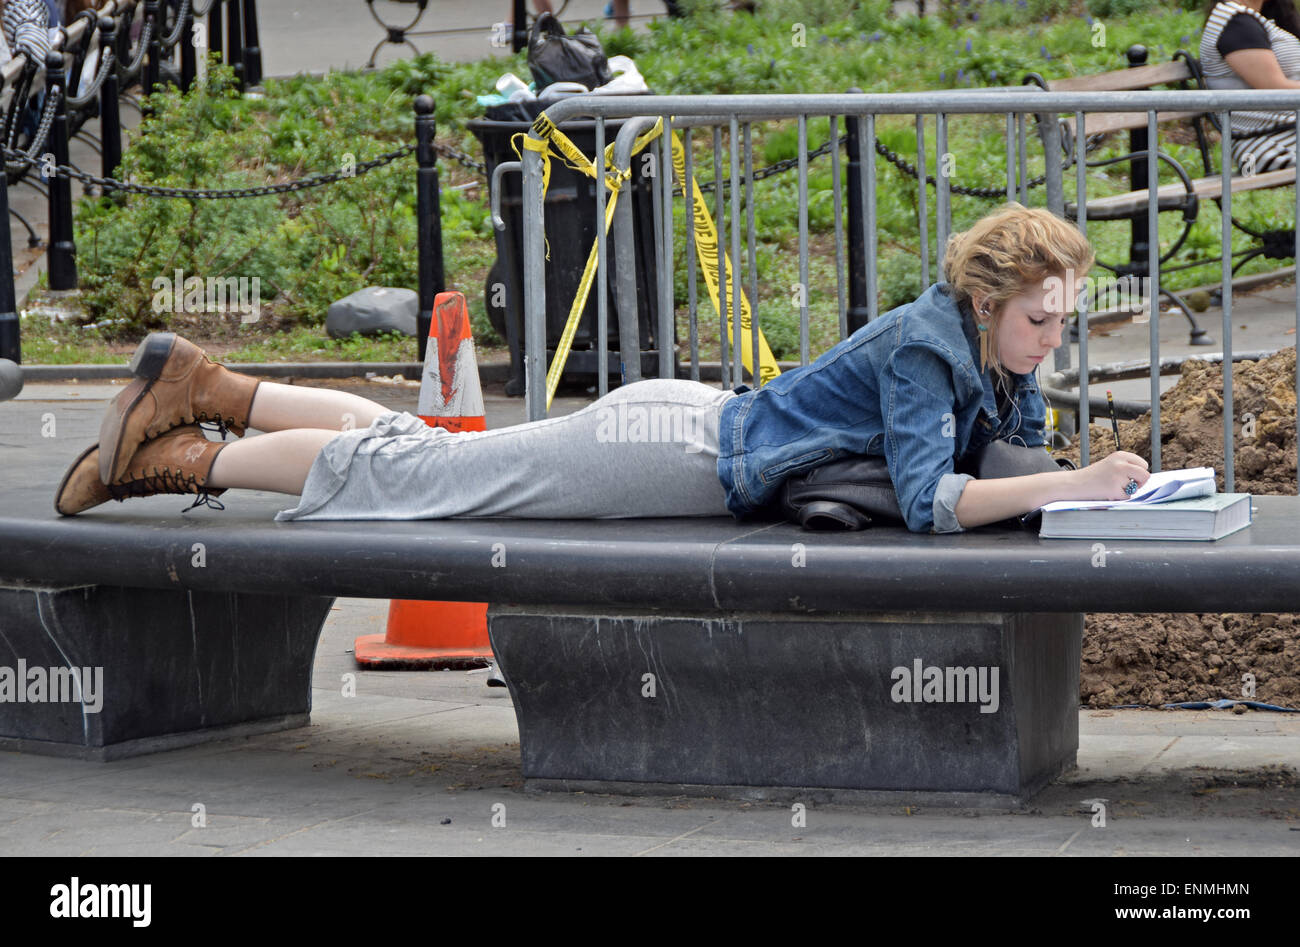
855	491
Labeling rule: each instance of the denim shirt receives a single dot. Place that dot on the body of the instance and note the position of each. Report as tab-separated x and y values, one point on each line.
906	386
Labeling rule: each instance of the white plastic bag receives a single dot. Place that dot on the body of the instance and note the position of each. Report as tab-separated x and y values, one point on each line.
627	78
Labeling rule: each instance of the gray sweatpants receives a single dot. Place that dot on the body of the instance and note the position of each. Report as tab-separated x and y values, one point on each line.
646	449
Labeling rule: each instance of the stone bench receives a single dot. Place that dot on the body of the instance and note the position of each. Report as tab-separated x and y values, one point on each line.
702	655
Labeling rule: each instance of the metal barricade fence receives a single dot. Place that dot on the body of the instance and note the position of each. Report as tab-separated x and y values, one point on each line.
736	113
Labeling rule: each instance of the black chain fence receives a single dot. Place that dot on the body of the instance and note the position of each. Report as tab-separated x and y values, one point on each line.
897	160
19	160
23	159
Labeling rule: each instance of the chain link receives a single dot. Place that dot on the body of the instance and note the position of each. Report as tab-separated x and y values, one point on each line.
151	190
169	42
467	160
132	69
28	158
987	193
92	91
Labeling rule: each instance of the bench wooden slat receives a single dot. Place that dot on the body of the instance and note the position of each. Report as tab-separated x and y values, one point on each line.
1122	206
1124	80
1098	123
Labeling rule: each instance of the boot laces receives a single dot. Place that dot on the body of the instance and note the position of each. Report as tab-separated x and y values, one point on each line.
215	425
205	498
166	480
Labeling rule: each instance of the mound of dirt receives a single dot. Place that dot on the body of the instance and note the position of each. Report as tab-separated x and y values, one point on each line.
1154	659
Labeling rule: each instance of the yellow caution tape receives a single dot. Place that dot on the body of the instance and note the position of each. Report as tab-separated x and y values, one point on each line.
706	248
614	182
553	141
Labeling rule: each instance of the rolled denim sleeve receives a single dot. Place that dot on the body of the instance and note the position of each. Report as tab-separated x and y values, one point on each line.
918	403
946	495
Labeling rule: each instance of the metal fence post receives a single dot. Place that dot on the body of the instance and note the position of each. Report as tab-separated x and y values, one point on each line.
189	67
234	42
859	313
215	42
252	51
1137	177
62	252
519	25
1053	162
124	39
428	215
626	299
534	250
110	122
10	328
149	80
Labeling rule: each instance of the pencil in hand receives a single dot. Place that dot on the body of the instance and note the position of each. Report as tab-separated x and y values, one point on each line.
1114	425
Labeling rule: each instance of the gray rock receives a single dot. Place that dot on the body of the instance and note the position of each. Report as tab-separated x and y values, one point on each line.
373	310
11	379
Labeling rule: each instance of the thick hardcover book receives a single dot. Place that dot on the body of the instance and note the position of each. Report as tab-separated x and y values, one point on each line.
1204	518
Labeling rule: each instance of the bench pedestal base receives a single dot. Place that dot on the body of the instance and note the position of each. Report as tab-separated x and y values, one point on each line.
157	669
940	708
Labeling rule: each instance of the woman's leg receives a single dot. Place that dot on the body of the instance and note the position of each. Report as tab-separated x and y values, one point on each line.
279	407
299	421
278	461
645	449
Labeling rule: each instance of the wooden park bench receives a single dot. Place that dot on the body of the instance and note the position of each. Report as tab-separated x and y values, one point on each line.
1183	195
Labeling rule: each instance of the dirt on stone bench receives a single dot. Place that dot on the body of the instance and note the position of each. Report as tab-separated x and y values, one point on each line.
1159	658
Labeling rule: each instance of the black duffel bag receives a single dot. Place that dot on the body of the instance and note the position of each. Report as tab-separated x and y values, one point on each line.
854	491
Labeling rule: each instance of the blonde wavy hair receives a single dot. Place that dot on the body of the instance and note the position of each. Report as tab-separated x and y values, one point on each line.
1006	253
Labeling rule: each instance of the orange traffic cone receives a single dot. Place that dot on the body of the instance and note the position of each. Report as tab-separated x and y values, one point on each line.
428	635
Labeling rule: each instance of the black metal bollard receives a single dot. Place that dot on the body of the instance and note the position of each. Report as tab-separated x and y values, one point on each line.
63	251
149	79
110	120
428	214
234	43
124	38
519	29
189	68
10	339
858	313
214	28
252	51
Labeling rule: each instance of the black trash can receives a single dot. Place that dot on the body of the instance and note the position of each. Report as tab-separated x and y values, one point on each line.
570	234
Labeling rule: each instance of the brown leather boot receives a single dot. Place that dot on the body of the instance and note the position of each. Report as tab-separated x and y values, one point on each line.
177	461
175	384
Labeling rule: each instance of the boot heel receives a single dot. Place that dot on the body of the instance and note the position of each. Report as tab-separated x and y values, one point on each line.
151	355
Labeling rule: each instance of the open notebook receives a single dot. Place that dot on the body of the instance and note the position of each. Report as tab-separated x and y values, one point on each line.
1172	504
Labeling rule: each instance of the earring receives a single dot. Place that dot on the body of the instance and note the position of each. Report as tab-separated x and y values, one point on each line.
984	341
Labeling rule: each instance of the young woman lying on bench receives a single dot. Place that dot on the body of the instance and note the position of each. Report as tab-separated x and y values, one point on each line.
905	386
